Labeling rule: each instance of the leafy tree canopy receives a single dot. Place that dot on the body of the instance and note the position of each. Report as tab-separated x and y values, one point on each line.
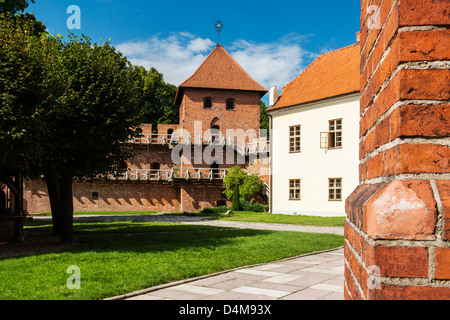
13	6
264	117
248	185
157	98
23	91
16	9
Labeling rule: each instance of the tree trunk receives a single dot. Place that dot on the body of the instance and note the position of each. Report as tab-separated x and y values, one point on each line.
59	188
18	198
66	206
55	199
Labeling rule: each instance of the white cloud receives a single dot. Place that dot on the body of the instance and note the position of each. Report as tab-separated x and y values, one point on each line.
271	64
178	55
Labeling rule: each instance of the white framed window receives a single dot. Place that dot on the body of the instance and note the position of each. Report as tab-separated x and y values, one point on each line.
335	189
294	189
294	139
333	138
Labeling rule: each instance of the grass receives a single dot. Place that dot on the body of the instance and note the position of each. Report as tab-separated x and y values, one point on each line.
107	213
121	257
245	216
284	219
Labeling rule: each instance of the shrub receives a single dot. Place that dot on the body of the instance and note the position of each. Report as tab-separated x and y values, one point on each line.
235	204
216	210
254	207
249	184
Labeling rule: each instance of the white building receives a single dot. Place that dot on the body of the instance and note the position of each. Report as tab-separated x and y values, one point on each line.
315	137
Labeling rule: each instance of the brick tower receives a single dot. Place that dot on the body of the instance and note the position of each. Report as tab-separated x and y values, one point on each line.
220	95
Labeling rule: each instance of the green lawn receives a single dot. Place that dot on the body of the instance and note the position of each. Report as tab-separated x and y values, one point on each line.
121	257
246	216
286	219
108	213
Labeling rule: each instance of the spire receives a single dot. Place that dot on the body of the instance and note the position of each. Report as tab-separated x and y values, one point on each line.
219	27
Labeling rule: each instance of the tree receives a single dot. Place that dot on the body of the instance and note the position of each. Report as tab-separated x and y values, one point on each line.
96	112
238	183
157	98
236	203
67	109
264	117
23	97
234	177
21	79
251	187
13	6
16	9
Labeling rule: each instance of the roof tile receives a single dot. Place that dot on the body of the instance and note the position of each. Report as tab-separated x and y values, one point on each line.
332	74
221	71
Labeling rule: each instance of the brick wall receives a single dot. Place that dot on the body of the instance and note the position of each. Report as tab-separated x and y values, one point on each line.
398	220
146	155
245	116
164	128
197	196
146	128
112	196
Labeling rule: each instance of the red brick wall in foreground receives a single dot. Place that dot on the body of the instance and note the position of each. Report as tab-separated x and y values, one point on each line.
398	220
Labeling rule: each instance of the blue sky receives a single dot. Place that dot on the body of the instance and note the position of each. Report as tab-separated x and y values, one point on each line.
273	41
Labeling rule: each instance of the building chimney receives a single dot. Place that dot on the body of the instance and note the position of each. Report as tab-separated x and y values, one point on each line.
273	96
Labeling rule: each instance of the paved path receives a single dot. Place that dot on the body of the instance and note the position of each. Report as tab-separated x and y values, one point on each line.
315	276
269	226
318	276
203	221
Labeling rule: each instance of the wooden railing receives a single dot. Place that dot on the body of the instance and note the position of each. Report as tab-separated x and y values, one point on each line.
261	146
174	174
169	174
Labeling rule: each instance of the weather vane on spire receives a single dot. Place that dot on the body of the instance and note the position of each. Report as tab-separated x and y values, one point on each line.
219	26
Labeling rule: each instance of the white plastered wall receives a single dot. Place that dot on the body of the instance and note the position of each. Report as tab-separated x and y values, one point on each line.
313	165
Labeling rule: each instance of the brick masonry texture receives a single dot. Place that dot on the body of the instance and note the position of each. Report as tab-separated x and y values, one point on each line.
245	116
112	196
397	223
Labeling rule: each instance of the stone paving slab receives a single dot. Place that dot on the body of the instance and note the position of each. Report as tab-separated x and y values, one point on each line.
316	276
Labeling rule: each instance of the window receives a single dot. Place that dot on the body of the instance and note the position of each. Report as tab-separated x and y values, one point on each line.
335	189
155	166
294	139
94	195
335	134
207	103
294	189
230	104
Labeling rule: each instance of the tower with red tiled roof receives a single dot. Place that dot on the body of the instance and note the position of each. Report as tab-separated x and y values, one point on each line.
220	95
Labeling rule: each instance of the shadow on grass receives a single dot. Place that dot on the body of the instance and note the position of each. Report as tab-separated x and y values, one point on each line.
125	236
145	237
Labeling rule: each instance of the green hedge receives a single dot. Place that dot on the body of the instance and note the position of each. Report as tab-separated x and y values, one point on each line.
245	206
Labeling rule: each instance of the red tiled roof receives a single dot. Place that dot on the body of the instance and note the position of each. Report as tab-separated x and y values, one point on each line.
220	71
332	74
